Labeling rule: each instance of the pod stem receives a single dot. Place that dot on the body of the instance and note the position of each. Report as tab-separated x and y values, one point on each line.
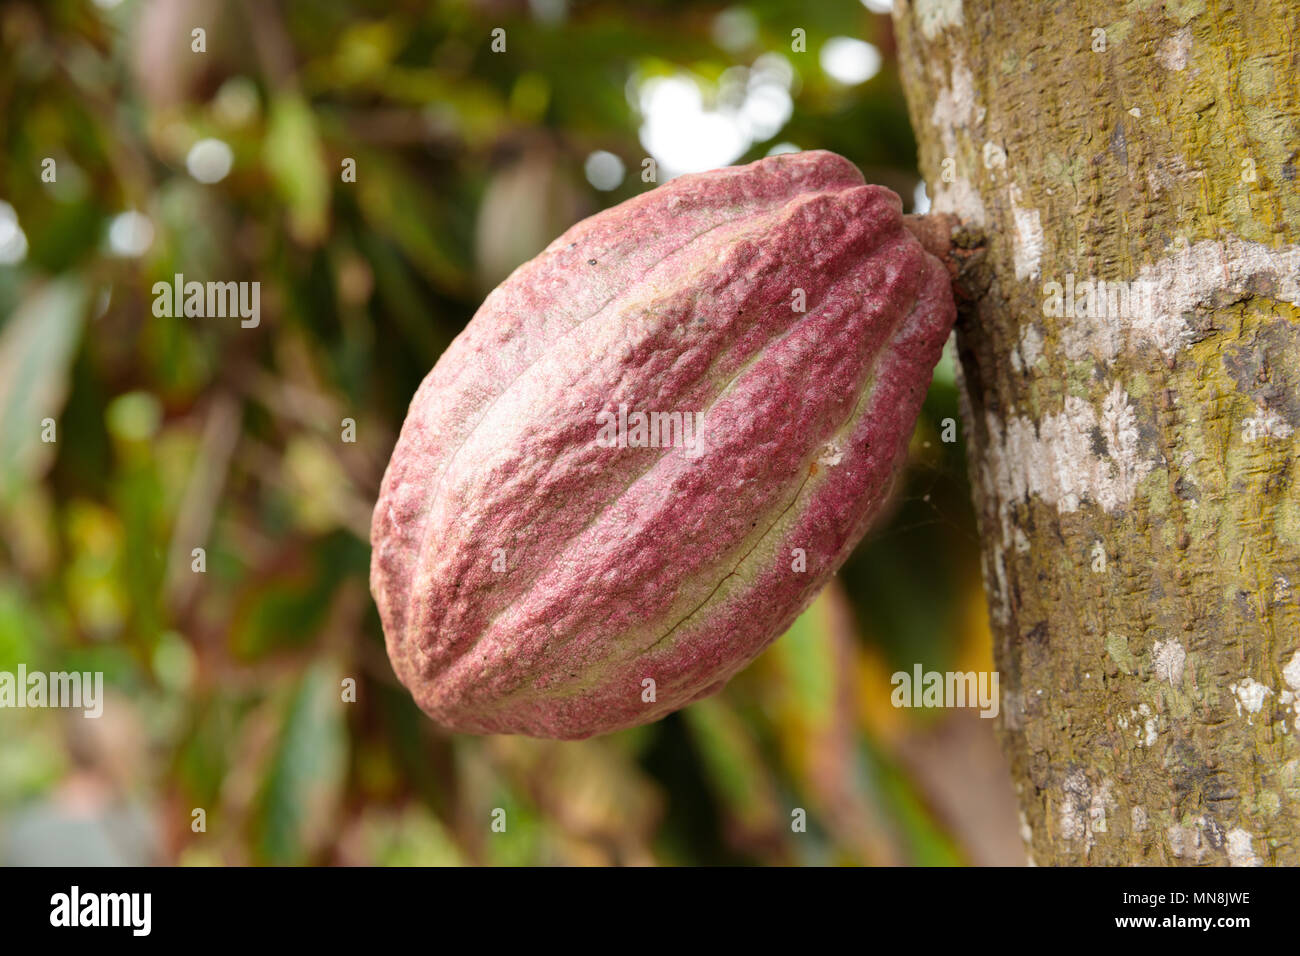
960	248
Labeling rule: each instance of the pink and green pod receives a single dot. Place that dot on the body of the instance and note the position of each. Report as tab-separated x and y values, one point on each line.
540	571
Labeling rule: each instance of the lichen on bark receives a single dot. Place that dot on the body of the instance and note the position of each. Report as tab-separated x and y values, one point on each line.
1134	475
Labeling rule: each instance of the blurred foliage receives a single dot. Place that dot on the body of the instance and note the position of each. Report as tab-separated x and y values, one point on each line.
225	687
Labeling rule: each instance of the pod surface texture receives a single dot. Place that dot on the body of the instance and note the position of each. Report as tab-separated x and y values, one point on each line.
534	576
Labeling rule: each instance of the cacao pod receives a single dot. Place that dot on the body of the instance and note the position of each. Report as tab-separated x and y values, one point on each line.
533	578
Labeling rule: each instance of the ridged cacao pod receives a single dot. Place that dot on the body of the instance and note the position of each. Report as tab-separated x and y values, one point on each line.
535	577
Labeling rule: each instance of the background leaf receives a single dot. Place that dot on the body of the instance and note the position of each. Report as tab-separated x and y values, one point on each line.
37	344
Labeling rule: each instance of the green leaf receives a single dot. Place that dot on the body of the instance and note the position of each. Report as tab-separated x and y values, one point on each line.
296	161
37	346
305	777
737	771
21	629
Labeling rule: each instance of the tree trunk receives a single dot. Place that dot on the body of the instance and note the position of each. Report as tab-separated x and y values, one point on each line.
1134	463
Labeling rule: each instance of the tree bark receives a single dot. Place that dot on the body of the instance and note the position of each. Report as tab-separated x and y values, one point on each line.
1135	471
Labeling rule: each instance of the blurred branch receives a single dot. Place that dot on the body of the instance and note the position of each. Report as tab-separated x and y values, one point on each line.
397	127
272	42
322	415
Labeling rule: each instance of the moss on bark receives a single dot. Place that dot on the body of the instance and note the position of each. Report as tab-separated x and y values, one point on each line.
1135	474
